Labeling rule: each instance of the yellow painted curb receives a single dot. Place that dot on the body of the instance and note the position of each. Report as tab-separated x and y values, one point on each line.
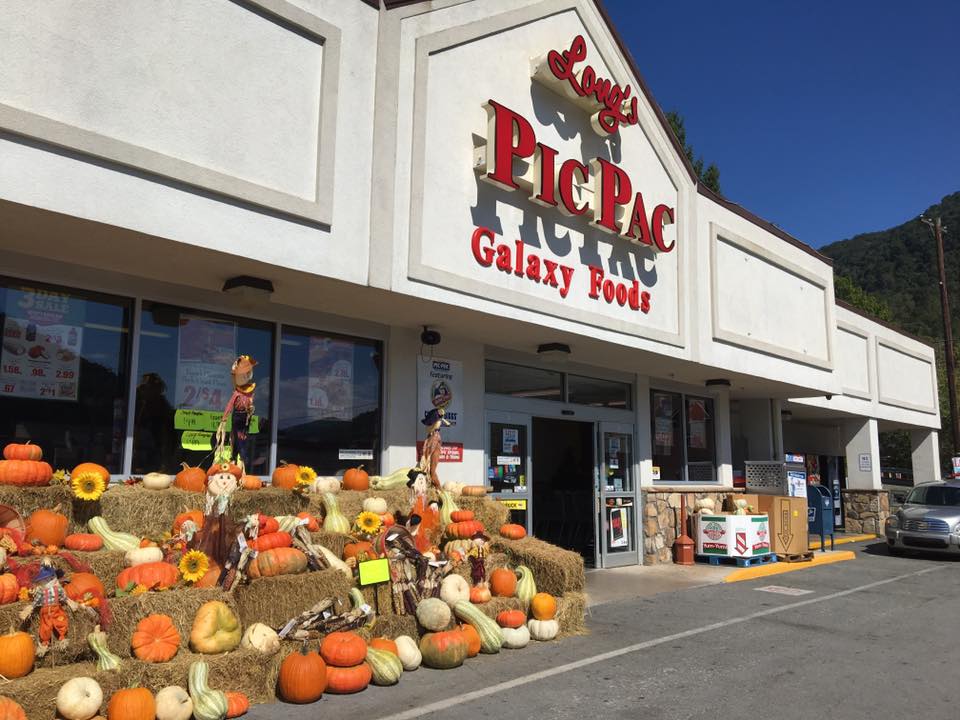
778	568
815	544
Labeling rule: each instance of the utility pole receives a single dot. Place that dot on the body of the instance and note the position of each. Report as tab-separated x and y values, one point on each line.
936	227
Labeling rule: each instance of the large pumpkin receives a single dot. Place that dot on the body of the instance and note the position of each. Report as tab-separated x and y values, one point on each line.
83	586
132	704
91	467
444	650
343	649
25	451
155	640
9	588
503	582
465	529
17	654
285	476
346	680
10	710
191	479
86	542
216	629
25	472
278	561
47	526
356	479
152	575
303	677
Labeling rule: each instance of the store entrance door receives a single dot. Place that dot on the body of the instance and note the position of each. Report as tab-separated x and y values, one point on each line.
564	499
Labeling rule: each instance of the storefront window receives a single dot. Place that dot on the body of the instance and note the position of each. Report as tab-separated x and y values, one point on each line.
684	439
185	384
598	393
329	410
701	441
523	382
667	419
64	372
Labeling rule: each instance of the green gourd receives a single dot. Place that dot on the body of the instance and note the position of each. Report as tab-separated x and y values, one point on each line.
112	540
386	666
208	704
491	635
526	587
448	505
398	478
287	523
335	521
106	660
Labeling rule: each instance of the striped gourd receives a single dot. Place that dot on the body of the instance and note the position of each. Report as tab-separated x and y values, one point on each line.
208	704
526	587
386	666
287	523
112	540
335	521
448	505
491	636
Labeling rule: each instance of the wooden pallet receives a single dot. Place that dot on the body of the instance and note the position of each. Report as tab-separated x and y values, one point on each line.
738	561
797	557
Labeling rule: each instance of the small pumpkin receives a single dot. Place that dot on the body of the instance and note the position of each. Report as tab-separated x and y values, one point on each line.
155	639
376	505
271	540
174	703
143	555
303	677
313	525
465	529
453	588
385	666
132	704
84	542
516	638
262	638
17	654
210	578
237	704
356	479
362	550
208	704
83	586
473	639
267	524
191	479
511	618
462	515
278	561
347	680
325	484
79	698
285	476
49	527
480	594
474	490
152	575
512	531
433	614
91	467
543	630
343	649
503	582
443	650
9	589
24	451
250	482
216	629
157	481
11	710
543	606
409	652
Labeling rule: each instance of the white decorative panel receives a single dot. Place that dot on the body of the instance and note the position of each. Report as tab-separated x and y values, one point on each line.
853	362
905	379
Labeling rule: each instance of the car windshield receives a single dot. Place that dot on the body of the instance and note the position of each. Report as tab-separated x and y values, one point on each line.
941	495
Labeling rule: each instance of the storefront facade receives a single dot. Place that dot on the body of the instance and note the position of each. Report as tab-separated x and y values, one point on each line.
313	183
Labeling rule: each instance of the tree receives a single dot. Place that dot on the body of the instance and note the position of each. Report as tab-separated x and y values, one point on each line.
709	175
847	290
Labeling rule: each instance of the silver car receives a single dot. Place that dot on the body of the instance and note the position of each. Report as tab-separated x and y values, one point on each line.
929	519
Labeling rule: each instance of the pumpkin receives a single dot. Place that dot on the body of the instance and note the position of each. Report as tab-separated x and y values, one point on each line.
285	476
237	704
387	520
491	635
335	521
17	654
361	550
443	650
511	618
303	677
227	467
208	704
462	515
11	710
9	588
155	640
324	484
267	524
356	479
174	703
543	606
211	577
85	542
79	698
152	575
465	529
453	588
343	649
376	505
385	666
25	472
194	516
473	639
433	614
480	594
278	561
83	585
526	587
250	482
91	467
474	490
346	680
25	451
382	643
216	629
516	638
503	582
47	526
313	525
512	531
157	481
191	479
140	556
409	652
271	540
262	638
106	660
543	630
461	546
132	704
112	540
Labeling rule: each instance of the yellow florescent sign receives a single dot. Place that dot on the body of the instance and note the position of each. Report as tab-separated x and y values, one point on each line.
374	571
515	504
207	420
196	440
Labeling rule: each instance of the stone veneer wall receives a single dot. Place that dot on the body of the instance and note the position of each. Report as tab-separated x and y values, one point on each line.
865	511
661	516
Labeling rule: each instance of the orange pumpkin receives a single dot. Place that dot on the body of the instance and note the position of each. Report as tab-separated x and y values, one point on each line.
251	482
83	586
191	479
444	650
356	479
271	541
511	618
346	680
209	578
155	639
47	526
25	472
543	606
387	520
362	550
25	451
503	582
278	561
480	594
343	649
85	542
465	529
472	637
17	654
91	467
267	524
313	525
303	677
512	531
152	575
229	467
132	704
237	704
9	588
382	643
10	710
285	476
195	515
462	515
474	490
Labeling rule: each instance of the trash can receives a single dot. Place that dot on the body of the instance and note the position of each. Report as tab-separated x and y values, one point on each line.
820	514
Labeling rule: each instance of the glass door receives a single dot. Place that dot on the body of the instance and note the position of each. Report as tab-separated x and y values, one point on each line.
507	460
616	496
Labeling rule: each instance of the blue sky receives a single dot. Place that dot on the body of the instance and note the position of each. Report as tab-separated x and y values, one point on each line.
826	118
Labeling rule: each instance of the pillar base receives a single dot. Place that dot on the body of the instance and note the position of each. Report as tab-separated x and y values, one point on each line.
661	517
865	511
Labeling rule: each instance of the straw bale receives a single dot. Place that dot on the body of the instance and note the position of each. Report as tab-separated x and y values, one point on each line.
275	600
391	626
571	614
555	570
27	499
490	512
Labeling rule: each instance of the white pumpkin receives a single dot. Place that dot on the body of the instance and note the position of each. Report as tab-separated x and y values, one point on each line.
515	638
409	652
157	481
433	614
454	488
453	588
79	698
139	556
261	638
330	484
543	630
174	703
376	505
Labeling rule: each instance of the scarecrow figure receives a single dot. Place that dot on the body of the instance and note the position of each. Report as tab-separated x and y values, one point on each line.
477	555
412	574
240	409
49	597
430	455
218	533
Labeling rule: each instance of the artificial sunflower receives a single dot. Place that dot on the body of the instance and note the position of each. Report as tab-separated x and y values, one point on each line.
139	590
88	486
24	594
60	477
368	523
306	475
194	565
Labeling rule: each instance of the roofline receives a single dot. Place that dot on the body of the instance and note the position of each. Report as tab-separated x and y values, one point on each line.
883	323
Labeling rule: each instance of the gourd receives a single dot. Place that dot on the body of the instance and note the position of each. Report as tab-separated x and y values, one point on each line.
346	680
139	556
356	479
503	582
208	704
174	703
262	638
448	506
454	588
191	479
237	704
325	484
79	698
155	640
526	587
376	505
303	677
335	521
17	654
285	476
106	660
385	667
516	638
343	649
25	472
278	561
463	547
543	606
216	629
472	637
512	531
443	650
433	614
491	636
543	630
112	540
511	618
157	481
135	703
84	542
285	523
24	451
409	652
47	526
398	478
335	562
152	575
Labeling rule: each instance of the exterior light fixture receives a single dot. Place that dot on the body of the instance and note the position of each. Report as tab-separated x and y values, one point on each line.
553	351
717	382
248	287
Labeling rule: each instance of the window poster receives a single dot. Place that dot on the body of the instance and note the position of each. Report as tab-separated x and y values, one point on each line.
440	385
697	424
618	527
330	379
42	342
511	440
663	422
207	349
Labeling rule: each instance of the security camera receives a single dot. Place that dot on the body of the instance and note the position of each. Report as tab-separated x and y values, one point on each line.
429	337
829	397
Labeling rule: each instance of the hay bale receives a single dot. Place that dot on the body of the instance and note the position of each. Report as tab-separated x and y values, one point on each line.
275	600
105	564
74	650
391	626
491	513
571	614
555	570
27	499
335	542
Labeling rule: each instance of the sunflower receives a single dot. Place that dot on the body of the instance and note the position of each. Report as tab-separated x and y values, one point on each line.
368	523
139	590
88	486
306	475
60	477
194	565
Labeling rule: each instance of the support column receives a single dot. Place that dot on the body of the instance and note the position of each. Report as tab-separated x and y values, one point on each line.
925	455
776	424
866	505
724	449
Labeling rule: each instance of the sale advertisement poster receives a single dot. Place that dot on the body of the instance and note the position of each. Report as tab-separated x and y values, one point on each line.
440	385
330	379
42	342
207	349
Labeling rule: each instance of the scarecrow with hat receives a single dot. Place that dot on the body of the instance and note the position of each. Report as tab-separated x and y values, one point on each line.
240	410
413	575
430	455
49	597
477	555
